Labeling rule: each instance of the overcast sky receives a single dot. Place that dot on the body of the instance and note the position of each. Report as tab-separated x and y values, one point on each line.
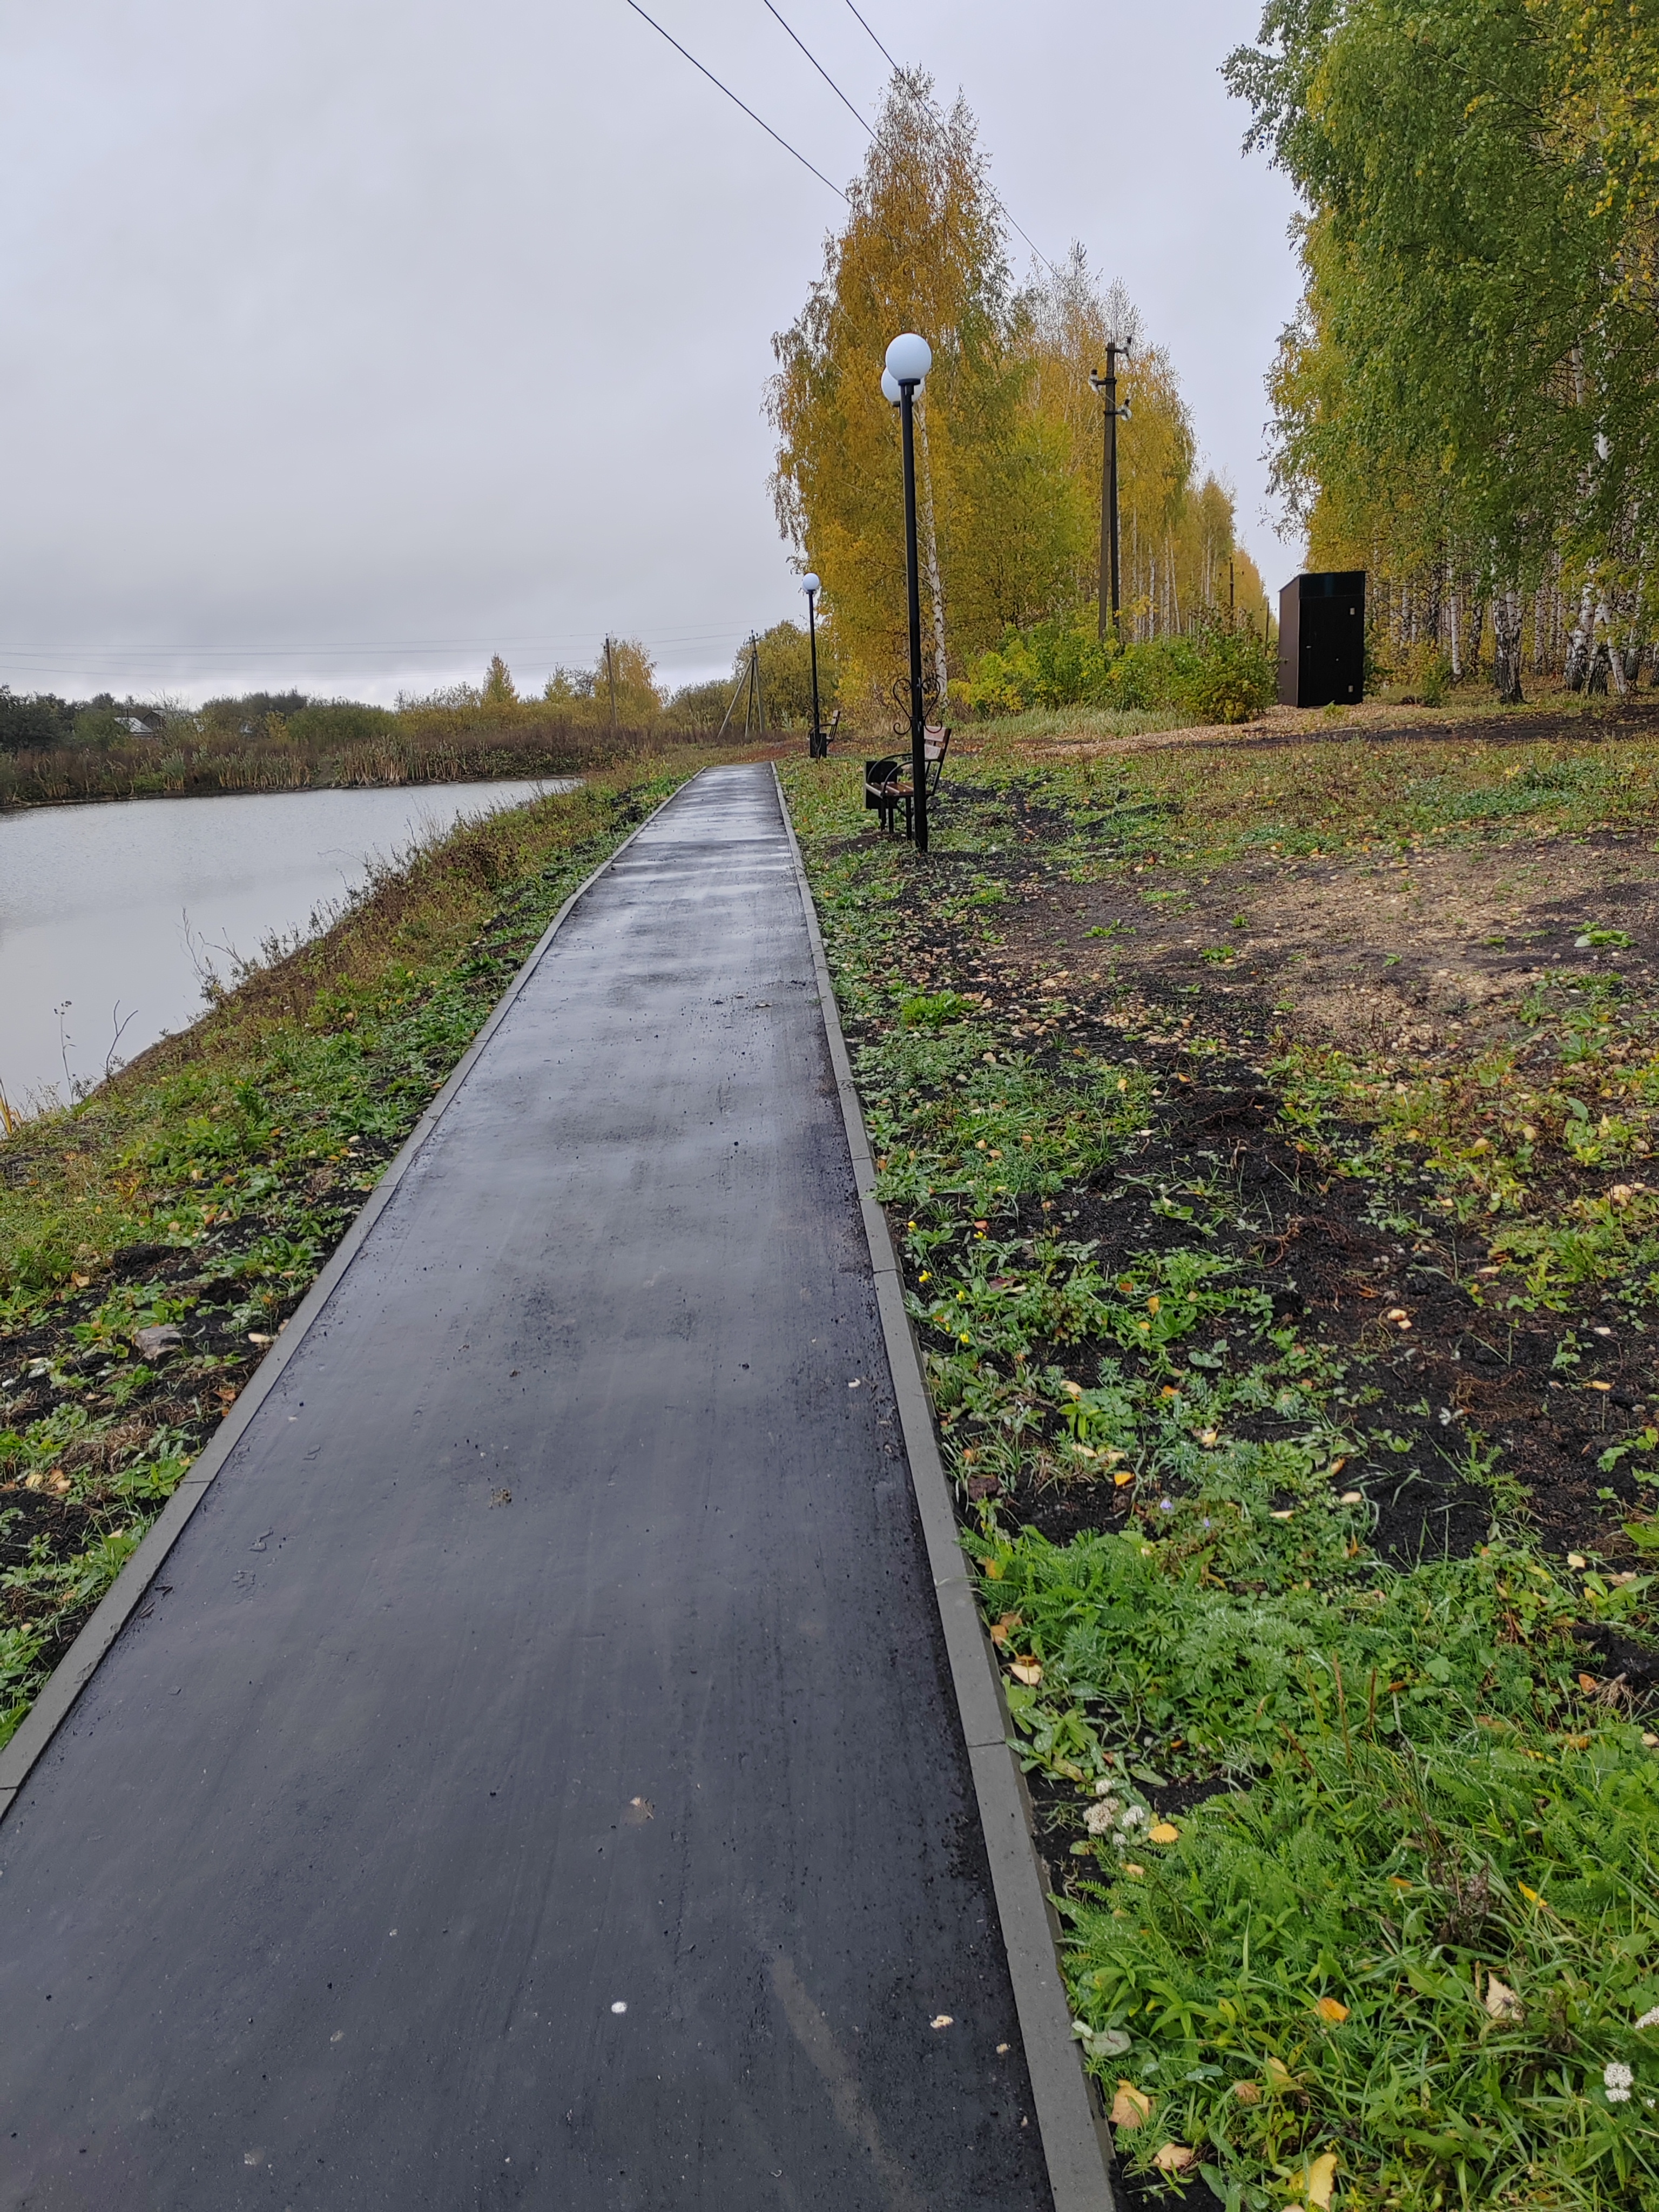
344	342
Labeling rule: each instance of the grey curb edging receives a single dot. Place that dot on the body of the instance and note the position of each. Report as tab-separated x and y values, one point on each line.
1070	2118
76	1668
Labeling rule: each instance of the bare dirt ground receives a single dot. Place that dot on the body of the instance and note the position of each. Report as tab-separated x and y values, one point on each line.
1385	955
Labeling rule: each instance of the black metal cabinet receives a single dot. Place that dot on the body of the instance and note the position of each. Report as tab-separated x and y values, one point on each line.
1321	639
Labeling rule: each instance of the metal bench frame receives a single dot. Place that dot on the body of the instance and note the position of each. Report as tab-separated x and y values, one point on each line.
886	787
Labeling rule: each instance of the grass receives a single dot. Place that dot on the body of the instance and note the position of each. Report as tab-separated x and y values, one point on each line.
1345	1762
155	1238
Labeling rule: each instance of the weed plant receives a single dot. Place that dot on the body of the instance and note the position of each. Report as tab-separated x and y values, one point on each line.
1360	1863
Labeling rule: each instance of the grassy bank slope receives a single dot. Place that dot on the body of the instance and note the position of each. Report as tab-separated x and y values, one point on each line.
1267	1128
155	1238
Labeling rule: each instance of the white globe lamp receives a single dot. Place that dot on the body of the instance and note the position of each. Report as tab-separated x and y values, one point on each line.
908	358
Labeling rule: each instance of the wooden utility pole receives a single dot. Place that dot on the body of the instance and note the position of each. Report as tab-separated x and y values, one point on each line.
1109	570
611	677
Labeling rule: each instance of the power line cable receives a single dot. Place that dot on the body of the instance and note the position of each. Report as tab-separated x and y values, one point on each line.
732	97
880	49
822	71
894	66
38	650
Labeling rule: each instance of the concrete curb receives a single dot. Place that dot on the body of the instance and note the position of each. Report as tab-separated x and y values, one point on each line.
76	1668
1069	2113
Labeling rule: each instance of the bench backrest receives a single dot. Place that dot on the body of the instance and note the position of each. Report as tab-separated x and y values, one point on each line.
880	776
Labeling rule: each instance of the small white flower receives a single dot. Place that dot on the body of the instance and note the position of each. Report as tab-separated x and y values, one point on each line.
1104	1789
1649	2019
1617	2078
1099	1817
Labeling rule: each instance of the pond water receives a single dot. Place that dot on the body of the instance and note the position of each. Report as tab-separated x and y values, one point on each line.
109	915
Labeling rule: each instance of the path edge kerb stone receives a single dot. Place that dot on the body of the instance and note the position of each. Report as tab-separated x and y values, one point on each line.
81	1662
1070	2118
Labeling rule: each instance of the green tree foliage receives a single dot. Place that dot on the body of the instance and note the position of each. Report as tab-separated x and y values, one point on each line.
499	689
1466	403
785	670
584	695
1010	432
923	249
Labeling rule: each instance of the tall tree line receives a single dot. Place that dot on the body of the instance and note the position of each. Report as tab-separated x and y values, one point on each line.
1009	451
1466	403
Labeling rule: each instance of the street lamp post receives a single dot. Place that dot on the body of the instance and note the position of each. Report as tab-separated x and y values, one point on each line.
1115	415
818	746
909	360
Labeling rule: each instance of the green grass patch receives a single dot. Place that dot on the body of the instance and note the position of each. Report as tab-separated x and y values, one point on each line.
1360	1855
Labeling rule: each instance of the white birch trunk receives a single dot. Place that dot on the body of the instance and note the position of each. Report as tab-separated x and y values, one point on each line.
933	585
1506	627
1456	632
1578	644
1615	658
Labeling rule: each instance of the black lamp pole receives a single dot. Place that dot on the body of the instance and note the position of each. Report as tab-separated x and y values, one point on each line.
817	750
913	581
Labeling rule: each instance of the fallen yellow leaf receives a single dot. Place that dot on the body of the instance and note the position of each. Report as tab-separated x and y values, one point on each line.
1285	1515
1124	1474
942	2020
1000	1630
1130	2107
1576	1559
1247	2093
1399	1881
1280	2076
1316	2180
1587	1682
1129	1867
1165	1832
1531	1895
1500	2000
1027	1670
1331	2008
1174	2158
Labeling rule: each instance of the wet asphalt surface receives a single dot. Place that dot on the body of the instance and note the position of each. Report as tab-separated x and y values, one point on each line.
556	1639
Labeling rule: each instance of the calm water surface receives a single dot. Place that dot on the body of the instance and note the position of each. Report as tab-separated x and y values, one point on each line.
109	912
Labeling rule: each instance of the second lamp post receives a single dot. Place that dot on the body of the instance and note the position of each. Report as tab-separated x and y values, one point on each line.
909	360
817	745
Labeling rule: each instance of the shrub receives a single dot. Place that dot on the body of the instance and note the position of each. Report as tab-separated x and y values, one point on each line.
339	721
1235	678
1217	676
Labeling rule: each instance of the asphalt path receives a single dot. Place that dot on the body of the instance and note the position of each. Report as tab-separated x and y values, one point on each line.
533	1779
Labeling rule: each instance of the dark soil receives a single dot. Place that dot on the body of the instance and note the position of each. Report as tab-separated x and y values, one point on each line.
1449	1367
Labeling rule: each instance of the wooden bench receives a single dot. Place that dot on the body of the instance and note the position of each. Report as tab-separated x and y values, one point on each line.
887	786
